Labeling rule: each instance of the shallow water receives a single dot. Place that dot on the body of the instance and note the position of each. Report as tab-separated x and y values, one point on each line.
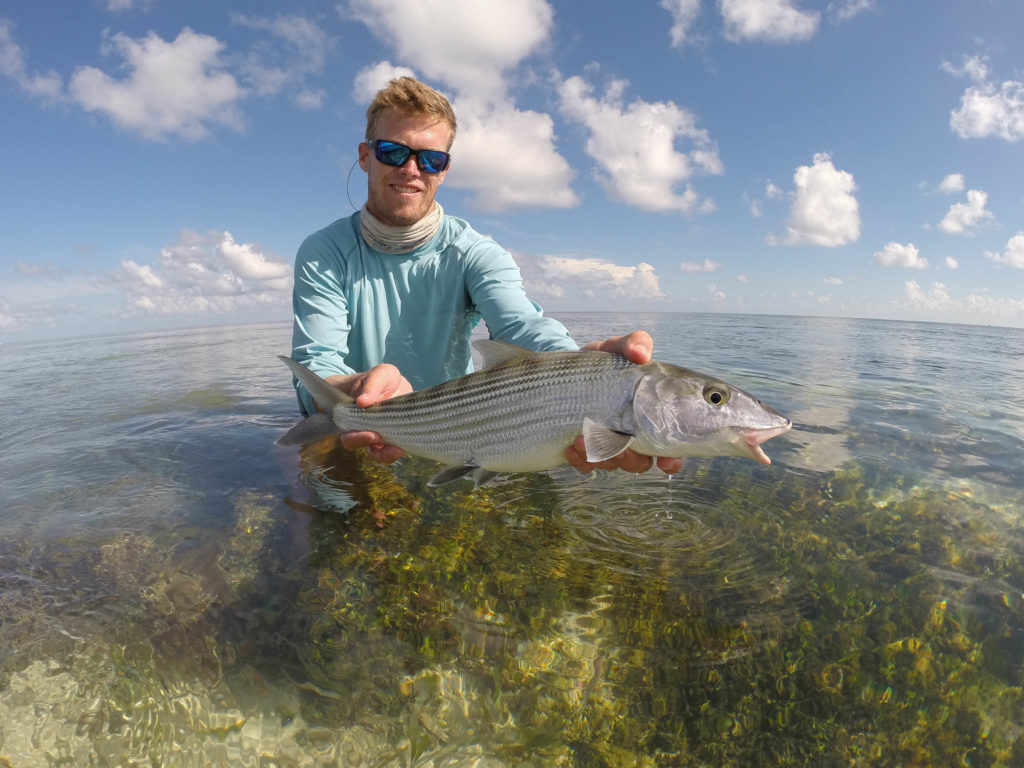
176	590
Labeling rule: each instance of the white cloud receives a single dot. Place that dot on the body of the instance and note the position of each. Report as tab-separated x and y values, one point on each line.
964	216
561	276
951	263
269	69
505	154
204	273
844	10
770	20
987	108
918	298
954	182
371	79
172	89
974	68
898	255
477	41
684	13
634	146
1013	256
706	266
825	211
48	86
833	281
995	307
507	157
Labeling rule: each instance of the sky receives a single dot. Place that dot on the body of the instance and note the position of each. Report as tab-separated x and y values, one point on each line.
163	159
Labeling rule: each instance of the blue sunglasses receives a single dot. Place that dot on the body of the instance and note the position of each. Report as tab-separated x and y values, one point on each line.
395	154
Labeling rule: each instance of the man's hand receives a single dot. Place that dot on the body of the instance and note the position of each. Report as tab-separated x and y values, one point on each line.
381	382
637	347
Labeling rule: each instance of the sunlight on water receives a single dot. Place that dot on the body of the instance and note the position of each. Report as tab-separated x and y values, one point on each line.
176	590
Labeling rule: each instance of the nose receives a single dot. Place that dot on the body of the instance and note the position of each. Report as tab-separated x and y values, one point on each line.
410	166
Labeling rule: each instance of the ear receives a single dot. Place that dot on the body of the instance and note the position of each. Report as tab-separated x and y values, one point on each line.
364	156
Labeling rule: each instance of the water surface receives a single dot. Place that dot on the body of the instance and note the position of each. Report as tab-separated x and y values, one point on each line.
176	590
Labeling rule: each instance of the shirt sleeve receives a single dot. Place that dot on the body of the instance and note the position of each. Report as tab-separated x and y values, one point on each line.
495	287
321	326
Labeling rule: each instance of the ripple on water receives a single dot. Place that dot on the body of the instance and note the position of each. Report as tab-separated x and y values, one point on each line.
697	536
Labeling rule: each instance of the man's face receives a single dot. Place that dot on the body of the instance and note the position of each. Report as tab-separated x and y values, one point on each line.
401	196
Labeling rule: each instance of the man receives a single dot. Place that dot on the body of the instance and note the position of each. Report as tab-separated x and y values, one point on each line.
385	300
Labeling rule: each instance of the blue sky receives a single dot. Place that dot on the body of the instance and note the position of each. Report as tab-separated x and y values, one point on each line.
163	159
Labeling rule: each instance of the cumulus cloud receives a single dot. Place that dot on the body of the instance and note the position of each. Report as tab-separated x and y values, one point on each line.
204	273
954	182
507	158
371	79
951	263
706	266
634	146
1013	255
47	86
937	297
270	69
898	255
684	13
504	154
963	217
987	108
560	276
776	21
825	211
833	281
175	88
480	41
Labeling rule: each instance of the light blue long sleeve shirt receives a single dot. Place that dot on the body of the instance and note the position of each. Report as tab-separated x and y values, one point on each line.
356	307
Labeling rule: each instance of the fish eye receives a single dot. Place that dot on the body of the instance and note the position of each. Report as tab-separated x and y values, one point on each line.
716	394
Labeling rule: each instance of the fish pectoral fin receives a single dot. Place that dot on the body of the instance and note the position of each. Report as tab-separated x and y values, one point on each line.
309	430
603	443
453	473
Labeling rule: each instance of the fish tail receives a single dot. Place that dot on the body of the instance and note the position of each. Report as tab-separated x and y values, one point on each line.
326	396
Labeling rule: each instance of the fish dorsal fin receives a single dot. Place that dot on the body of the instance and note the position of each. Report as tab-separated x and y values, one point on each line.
497	353
326	396
603	443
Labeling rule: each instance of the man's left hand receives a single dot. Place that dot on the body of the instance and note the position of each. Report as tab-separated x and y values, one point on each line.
637	347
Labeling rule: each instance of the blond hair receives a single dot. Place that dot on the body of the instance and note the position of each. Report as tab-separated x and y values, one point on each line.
409	97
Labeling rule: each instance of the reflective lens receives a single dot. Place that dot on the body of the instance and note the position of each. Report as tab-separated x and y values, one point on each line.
395	154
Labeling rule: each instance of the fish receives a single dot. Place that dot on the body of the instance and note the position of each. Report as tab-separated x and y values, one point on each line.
524	408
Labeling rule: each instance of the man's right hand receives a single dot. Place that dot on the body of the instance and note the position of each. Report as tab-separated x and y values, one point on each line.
381	382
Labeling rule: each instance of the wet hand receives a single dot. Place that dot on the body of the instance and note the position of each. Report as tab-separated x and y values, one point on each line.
381	382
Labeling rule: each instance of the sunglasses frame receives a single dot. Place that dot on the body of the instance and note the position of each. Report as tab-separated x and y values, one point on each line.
422	164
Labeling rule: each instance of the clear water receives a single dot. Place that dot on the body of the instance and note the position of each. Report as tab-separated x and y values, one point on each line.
176	590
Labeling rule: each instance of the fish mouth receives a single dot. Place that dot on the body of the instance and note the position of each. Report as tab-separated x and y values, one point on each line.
753	438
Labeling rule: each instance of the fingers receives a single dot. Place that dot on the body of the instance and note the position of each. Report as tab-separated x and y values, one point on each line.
375	446
627	461
379	383
637	346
